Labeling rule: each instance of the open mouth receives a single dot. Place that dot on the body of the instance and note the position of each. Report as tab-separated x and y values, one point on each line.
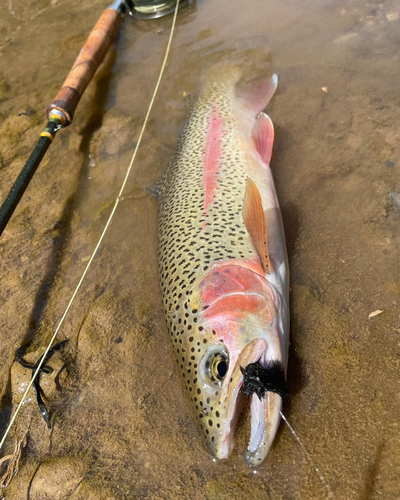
265	418
264	381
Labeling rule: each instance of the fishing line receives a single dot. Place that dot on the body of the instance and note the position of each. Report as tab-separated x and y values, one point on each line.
118	199
309	458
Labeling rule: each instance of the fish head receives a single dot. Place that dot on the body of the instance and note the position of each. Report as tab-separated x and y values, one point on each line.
236	330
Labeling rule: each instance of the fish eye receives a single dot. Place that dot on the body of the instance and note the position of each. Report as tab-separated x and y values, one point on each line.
218	366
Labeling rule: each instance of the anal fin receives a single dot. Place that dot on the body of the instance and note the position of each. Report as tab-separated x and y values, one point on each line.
254	219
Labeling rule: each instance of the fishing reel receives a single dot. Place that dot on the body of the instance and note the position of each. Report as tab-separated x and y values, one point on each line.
150	9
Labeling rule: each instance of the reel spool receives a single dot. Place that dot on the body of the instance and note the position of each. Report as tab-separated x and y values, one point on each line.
151	9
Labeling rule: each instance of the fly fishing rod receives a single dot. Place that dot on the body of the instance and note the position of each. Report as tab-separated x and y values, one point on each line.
60	111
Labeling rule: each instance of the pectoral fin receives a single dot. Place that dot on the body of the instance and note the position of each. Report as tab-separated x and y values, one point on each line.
254	219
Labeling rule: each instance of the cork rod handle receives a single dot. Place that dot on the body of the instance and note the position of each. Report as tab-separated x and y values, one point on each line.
86	64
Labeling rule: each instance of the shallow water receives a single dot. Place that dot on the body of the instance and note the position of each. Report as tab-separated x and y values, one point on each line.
121	428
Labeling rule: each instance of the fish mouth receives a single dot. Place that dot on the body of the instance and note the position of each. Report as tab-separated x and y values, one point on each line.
265	413
265	419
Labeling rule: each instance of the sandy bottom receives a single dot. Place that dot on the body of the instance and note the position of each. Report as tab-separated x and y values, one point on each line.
121	428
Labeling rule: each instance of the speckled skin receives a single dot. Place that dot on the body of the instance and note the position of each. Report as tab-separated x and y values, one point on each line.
215	293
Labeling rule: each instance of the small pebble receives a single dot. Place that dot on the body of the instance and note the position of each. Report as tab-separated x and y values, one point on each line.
345	38
395	197
375	313
393	16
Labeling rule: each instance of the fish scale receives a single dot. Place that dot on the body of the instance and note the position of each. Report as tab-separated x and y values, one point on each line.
201	228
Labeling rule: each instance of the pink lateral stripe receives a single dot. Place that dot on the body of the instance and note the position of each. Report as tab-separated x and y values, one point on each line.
213	152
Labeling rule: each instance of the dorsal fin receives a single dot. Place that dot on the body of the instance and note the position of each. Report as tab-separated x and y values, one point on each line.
256	94
263	136
254	219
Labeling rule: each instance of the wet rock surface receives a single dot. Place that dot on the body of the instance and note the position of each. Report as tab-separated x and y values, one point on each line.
120	426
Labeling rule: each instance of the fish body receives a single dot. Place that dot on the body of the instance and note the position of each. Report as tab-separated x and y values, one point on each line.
222	258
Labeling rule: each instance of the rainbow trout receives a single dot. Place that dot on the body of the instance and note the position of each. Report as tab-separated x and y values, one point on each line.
223	264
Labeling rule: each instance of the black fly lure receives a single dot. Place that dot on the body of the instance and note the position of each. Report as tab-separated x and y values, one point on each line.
259	380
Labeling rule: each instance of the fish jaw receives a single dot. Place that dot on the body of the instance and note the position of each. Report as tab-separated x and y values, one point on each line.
229	394
265	419
265	413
